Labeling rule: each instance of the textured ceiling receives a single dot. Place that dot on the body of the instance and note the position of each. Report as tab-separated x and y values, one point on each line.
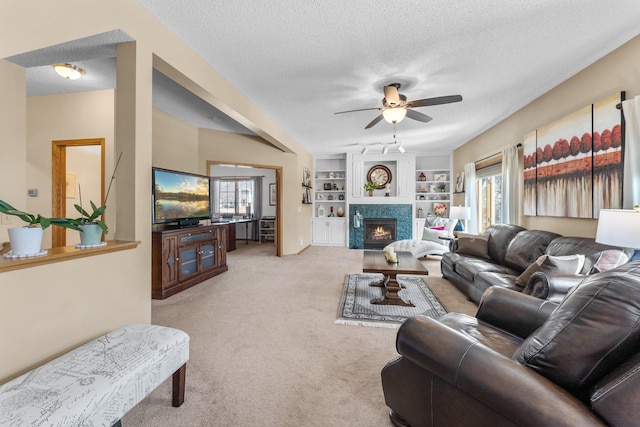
301	61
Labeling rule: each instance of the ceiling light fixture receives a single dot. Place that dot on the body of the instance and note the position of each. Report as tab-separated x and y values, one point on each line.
385	150
68	71
401	149
365	150
394	114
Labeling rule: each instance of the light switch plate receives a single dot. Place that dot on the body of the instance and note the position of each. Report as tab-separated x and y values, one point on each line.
32	192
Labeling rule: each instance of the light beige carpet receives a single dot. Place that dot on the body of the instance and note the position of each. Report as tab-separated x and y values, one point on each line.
265	348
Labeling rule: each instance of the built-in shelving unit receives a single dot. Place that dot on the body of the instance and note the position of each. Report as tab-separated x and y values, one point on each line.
329	213
433	186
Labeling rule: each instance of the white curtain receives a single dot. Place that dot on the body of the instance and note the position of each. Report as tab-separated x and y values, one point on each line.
631	185
510	186
257	203
215	196
470	197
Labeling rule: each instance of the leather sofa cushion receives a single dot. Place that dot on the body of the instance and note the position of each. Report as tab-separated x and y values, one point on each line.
501	236
469	267
486	279
526	247
592	331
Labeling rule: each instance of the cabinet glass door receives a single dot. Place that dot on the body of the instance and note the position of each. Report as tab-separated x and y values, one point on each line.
188	262
207	256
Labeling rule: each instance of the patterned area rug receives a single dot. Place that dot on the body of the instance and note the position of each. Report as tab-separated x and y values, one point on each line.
356	308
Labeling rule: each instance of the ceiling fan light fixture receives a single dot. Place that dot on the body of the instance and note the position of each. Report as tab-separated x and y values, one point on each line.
394	114
365	150
68	71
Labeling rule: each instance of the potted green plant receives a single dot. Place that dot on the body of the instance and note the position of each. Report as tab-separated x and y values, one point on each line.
89	224
369	187
25	240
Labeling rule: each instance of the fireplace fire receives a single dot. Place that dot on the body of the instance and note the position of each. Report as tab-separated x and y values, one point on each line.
379	232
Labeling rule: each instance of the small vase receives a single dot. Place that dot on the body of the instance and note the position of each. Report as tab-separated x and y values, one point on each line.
370	193
90	234
340	212
25	240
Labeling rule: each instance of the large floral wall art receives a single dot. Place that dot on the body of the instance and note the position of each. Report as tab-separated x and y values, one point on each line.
573	167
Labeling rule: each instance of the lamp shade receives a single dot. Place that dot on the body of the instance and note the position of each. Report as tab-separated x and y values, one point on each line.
617	227
460	212
394	114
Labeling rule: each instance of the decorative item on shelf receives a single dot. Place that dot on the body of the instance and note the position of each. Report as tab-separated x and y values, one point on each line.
422	197
422	177
340	212
330	197
420	213
331	215
340	196
335	186
321	211
331	175
387	190
432	188
320	196
422	188
27	240
306	177
440	210
439	176
442	187
327	186
342	188
369	187
380	175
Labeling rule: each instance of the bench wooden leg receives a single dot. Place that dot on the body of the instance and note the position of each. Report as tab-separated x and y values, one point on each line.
178	386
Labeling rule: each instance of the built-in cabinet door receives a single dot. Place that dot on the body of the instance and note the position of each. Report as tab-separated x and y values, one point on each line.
337	232
320	231
170	261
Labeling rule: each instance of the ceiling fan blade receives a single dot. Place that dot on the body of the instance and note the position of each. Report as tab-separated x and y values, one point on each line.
391	95
435	101
374	122
418	116
361	109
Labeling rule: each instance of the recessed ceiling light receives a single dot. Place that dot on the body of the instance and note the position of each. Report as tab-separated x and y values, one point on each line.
68	71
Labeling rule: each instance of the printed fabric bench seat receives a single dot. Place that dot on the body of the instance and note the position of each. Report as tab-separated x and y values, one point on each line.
99	382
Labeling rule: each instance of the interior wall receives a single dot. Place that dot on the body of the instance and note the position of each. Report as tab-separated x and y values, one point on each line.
175	143
68	116
618	71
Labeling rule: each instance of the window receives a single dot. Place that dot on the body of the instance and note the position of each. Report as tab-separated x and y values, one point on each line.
489	191
236	196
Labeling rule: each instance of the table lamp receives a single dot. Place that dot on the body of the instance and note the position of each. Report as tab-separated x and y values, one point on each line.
621	228
461	213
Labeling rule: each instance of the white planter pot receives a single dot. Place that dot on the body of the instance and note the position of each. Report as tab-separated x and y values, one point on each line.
90	234
25	240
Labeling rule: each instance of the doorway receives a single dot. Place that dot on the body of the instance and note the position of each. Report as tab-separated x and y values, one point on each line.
228	206
77	168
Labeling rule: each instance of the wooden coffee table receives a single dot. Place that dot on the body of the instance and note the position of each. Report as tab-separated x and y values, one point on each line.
375	262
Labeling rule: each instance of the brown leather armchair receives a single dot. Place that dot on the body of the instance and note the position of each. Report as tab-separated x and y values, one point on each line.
523	361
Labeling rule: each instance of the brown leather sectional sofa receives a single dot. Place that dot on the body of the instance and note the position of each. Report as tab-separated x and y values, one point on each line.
524	361
511	250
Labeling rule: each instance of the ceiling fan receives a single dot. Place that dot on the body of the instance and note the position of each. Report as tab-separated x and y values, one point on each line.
395	106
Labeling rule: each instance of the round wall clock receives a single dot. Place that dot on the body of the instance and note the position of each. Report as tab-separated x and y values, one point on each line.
379	175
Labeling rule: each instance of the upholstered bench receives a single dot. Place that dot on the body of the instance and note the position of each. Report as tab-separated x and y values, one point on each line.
99	382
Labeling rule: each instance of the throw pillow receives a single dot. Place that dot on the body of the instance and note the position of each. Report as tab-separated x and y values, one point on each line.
565	264
434	235
591	332
473	244
608	260
437	228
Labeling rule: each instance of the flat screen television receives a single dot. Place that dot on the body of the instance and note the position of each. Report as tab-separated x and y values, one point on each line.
181	198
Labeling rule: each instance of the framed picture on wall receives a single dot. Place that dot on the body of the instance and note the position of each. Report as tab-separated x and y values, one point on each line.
272	194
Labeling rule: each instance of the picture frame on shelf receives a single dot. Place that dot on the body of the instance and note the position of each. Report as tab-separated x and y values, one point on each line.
460	182
272	194
440	177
